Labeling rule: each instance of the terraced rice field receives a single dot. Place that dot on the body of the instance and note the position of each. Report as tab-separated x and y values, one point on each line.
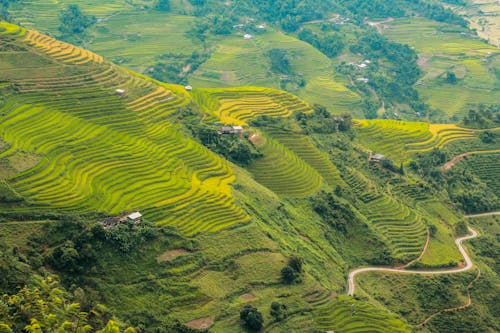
236	106
303	146
442	48
399	225
102	152
487	168
282	171
399	139
239	62
345	314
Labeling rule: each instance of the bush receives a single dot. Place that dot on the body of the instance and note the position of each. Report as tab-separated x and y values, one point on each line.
278	311
293	271
74	21
163	5
252	318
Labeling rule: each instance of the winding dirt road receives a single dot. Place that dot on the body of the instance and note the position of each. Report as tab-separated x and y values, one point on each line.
468	264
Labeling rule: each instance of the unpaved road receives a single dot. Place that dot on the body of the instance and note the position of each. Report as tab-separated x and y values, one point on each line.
483	214
458	242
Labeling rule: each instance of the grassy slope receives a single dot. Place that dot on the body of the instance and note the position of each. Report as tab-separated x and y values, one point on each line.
442	49
243	62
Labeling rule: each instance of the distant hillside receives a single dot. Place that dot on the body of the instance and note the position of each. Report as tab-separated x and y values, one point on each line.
322	43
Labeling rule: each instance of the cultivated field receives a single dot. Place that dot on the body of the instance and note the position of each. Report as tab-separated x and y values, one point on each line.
443	48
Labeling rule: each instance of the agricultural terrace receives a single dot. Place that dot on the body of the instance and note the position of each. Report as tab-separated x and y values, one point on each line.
399	139
99	151
304	147
345	314
236	106
444	48
487	168
400	226
282	171
129	34
239	62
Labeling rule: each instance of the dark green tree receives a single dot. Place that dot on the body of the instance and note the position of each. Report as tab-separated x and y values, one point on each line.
74	21
162	5
252	318
278	311
451	77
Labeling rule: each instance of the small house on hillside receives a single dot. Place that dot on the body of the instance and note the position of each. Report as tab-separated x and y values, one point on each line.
135	217
120	92
230	130
188	88
377	158
247	37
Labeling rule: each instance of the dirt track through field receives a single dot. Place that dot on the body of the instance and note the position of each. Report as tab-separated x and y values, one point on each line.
468	265
401	270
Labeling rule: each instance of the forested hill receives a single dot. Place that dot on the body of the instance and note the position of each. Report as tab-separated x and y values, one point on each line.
252	226
397	59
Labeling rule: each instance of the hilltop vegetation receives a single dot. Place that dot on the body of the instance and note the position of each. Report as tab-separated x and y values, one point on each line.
324	44
252	230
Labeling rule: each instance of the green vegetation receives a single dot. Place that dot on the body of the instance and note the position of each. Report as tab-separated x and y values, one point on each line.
48	308
240	232
445	49
251	317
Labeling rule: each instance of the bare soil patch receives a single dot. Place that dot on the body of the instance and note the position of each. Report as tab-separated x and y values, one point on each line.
247	297
448	165
171	255
225	76
201	324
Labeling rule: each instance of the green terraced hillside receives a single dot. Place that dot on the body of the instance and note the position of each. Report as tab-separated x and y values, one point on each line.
98	151
79	135
441	48
399	139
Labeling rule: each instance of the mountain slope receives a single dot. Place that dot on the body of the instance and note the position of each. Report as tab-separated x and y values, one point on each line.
73	145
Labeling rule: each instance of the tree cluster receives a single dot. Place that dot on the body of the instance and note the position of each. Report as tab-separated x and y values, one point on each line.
330	44
333	211
485	116
322	121
252	318
74	20
293	272
47	307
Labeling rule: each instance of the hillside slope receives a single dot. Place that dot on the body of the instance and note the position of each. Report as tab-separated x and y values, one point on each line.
75	150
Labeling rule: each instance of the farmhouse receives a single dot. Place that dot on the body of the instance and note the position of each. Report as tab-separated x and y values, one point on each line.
188	88
377	158
135	217
247	37
120	92
230	130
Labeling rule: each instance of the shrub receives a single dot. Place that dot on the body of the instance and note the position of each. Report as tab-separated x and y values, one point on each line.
278	311
163	5
252	318
292	272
